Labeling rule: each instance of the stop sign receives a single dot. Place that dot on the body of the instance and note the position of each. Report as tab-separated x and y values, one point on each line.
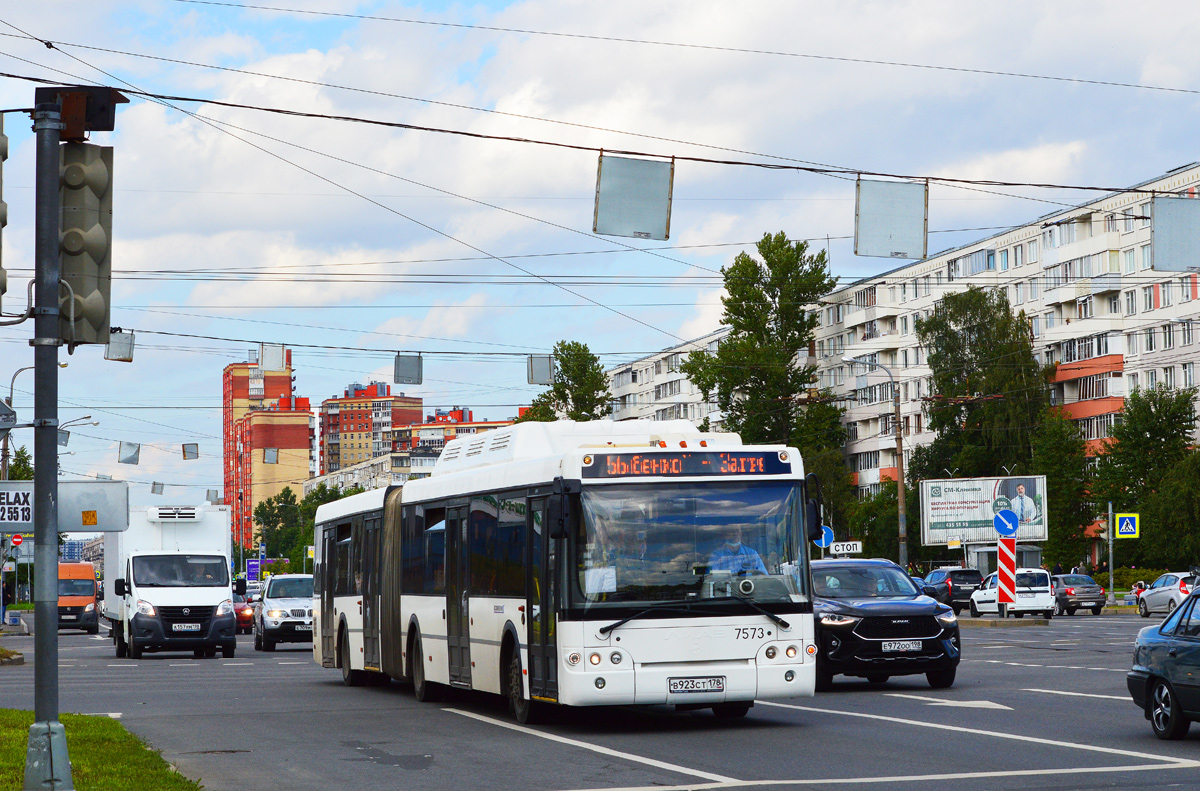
17	539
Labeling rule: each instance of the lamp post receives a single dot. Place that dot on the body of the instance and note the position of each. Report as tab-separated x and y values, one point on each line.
4	446
901	506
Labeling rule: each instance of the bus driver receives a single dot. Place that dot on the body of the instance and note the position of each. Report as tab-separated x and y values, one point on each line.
734	556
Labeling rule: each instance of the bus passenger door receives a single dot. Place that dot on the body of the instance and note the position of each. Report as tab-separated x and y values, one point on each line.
370	594
542	565
458	616
328	581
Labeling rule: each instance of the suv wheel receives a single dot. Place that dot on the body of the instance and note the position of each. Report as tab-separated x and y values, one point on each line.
957	608
258	645
941	679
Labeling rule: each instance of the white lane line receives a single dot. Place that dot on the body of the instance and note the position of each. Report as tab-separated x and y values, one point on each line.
184	664
123	665
293	663
964	704
993	734
1080	694
115	715
683	770
235	664
1182	764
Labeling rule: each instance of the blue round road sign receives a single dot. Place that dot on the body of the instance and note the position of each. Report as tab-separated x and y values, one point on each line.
826	536
1005	523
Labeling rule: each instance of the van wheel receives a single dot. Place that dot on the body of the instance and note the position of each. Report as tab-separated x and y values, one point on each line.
227	651
423	690
1048	614
93	629
877	678
122	646
135	650
1020	614
974	609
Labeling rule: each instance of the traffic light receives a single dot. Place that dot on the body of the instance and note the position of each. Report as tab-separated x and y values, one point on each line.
85	179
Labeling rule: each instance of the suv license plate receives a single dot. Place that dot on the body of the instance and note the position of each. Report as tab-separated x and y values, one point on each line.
185	627
908	645
705	684
304	627
1089	604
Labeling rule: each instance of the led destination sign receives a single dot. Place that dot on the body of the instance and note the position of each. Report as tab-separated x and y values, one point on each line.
668	465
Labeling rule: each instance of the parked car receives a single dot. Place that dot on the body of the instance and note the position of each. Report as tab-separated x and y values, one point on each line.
1033	593
244	609
1166	664
873	622
954	585
1077	592
284	614
1166	593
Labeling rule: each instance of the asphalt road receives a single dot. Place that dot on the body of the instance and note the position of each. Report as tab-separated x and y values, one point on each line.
1033	707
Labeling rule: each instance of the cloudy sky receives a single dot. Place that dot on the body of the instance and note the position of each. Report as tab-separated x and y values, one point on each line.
352	241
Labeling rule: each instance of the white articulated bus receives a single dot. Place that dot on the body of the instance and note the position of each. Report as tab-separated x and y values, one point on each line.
581	564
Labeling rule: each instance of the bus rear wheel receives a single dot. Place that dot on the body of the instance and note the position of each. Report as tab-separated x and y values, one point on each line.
524	710
731	711
423	689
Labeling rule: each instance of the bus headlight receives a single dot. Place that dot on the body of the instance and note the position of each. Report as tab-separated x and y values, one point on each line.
791	652
574	658
615	658
600	683
594	659
770	652
789	676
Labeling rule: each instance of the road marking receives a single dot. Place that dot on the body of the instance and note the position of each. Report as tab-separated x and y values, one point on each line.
993	734
115	715
126	664
1080	694
235	664
965	704
293	663
1181	764
184	664
683	770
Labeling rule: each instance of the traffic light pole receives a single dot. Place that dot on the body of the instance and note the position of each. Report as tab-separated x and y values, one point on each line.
46	762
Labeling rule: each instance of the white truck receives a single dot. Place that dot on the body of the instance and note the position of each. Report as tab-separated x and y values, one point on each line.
167	582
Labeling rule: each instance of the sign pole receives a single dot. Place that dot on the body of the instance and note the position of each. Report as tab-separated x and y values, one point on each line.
1112	595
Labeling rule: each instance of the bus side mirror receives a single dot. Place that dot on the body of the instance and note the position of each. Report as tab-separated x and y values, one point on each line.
239	587
557	517
812	520
119	587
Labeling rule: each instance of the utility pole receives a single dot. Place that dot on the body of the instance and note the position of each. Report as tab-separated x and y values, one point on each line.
46	763
901	504
1112	595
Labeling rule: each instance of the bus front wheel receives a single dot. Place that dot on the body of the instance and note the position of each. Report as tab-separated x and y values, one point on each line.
524	710
351	678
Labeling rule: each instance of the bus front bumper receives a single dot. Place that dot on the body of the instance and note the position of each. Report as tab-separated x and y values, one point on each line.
684	683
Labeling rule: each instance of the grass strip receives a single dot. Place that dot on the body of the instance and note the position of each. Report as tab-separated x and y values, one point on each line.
103	755
6	654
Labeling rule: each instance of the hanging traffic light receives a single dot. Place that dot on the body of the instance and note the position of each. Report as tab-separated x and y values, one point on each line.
85	179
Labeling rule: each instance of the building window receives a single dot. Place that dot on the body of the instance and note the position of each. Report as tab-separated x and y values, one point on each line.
1128	220
1131	343
1130	257
1146	256
1165	290
1033	251
1189	374
1185	289
1133	382
1149	333
1144	210
1130	303
1186	333
1003	260
1151	379
1085	308
1147	298
1114	305
1018	256
1168	333
1033	288
1019	294
1168	377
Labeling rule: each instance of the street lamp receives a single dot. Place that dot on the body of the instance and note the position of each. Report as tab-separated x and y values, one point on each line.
8	401
901	506
64	436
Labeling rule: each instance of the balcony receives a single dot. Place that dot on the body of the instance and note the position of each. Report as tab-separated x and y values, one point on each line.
1083	287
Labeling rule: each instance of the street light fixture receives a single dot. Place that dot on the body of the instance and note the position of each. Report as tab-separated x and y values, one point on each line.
8	401
901	506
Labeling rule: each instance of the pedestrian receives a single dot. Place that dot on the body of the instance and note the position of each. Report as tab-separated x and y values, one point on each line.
1058	569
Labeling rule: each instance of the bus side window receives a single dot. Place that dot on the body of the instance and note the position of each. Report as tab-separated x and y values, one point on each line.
434	540
343	584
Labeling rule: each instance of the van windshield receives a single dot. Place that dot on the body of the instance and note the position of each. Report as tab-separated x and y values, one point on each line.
181	571
76	588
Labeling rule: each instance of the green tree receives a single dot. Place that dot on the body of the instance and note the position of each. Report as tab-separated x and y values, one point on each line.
287	526
21	466
989	393
755	376
1153	435
1058	453
580	389
1170	518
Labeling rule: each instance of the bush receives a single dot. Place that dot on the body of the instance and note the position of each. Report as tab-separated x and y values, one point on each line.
25	606
1123	578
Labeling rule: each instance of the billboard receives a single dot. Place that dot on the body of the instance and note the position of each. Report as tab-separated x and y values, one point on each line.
964	508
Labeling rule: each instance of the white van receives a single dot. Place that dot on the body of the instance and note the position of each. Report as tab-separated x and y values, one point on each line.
1035	594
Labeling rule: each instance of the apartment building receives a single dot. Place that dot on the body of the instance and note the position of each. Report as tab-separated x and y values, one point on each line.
1085	278
360	425
653	387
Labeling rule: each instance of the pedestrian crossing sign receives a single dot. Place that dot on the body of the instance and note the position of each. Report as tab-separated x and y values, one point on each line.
1128	525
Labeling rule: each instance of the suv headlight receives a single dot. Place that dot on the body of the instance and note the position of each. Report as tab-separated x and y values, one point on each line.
277	613
947	619
837	619
145	608
225	607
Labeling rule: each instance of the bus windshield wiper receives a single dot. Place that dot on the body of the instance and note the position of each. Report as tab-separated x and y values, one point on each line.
666	605
756	606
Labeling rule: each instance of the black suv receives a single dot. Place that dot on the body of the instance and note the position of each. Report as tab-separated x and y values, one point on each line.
872	621
954	586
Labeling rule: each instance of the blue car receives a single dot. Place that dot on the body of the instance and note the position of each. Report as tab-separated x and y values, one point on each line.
1165	679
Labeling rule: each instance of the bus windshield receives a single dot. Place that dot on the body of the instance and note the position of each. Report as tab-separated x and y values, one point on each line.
643	543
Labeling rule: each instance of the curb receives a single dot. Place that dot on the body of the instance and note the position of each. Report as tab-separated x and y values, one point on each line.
1001	623
15	659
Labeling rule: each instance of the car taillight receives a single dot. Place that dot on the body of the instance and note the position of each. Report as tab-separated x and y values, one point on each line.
1070	591
1183	588
949	585
1102	590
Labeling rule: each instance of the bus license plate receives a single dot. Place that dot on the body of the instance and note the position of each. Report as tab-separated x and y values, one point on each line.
705	684
907	645
304	627
185	627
